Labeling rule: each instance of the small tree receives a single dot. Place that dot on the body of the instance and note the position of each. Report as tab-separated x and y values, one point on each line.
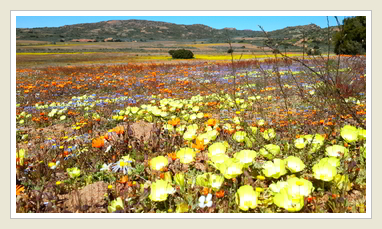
181	54
352	38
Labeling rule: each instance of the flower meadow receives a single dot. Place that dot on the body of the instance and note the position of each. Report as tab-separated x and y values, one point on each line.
268	135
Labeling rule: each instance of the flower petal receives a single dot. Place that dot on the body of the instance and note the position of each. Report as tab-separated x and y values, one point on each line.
209	197
209	204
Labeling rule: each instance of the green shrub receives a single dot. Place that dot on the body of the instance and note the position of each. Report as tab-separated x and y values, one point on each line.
181	54
313	52
352	39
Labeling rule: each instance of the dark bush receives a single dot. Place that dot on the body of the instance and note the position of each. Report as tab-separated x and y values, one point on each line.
352	39
276	51
313	52
230	51
181	54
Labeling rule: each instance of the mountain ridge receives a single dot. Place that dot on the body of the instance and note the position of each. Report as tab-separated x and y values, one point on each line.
145	30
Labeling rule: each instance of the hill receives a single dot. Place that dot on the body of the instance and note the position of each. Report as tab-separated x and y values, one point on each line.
290	38
129	30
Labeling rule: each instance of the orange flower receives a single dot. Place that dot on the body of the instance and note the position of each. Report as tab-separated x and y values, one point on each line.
123	180
172	156
310	199
119	130
98	143
199	144
211	122
174	122
205	191
207	115
19	189
220	194
231	131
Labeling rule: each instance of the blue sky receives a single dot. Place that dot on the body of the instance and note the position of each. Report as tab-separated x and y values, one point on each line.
269	23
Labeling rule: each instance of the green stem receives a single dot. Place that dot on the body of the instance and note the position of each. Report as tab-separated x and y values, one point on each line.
323	186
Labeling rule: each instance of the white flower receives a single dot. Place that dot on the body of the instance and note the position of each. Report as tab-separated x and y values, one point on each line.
124	165
205	201
106	167
108	149
53	165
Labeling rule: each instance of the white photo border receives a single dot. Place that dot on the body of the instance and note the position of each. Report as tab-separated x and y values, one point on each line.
367	215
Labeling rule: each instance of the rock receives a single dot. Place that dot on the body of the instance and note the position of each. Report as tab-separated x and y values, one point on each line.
142	129
89	198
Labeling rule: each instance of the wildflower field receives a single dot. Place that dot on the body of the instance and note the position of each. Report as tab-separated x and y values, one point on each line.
211	135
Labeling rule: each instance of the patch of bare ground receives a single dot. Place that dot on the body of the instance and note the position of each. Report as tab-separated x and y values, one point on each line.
142	130
88	199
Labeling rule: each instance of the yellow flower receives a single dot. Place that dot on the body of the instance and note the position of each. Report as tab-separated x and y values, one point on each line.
216	149
160	190
157	163
186	155
231	168
260	177
246	197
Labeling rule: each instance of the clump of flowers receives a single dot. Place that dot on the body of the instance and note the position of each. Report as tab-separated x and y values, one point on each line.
20	155
239	136
336	151
274	169
73	172
277	187
246	197
349	133
216	149
179	179
189	135
269	134
325	170
288	202
316	141
231	168
218	159
361	134
116	205
160	190
294	164
270	151
186	155
290	194
300	143
210	180
299	186
245	157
